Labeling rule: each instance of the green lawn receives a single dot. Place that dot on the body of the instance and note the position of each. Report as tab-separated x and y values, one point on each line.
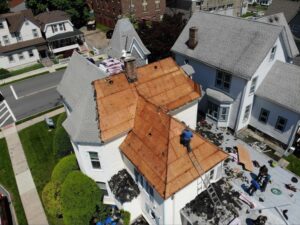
294	165
7	179
102	27
6	74
37	142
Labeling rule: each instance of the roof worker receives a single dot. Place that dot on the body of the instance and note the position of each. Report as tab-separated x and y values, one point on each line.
185	138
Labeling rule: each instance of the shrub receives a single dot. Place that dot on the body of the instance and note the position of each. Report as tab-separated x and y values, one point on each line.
80	197
61	143
125	215
51	199
63	168
4	73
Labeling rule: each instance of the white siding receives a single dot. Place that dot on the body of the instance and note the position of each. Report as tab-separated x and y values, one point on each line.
188	115
49	32
26	31
275	111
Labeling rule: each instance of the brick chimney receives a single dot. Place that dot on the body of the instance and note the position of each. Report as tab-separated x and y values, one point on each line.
130	69
193	37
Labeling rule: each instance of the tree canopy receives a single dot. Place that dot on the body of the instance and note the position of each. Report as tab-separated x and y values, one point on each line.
80	197
63	168
4	8
160	36
77	9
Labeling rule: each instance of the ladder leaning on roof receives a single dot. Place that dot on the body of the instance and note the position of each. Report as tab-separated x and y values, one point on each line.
224	214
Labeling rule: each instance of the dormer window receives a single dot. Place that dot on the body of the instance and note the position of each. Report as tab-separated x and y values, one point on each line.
273	52
62	26
54	28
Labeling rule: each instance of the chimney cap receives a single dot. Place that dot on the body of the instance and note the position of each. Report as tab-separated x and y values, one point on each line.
129	59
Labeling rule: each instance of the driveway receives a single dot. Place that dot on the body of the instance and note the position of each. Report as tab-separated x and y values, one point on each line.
95	38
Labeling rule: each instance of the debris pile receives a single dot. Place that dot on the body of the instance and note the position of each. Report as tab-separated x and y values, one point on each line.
204	129
203	207
140	221
123	186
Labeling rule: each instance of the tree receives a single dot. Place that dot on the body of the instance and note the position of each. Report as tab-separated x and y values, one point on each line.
80	197
51	199
61	143
63	168
4	8
159	37
37	6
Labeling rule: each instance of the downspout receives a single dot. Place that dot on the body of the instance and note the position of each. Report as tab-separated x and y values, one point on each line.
293	137
239	110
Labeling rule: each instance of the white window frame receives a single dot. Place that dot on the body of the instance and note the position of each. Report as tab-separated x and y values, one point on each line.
54	28
247	113
223	80
253	85
30	53
61	26
217	113
211	174
1	25
263	116
21	56
6	40
11	57
35	33
273	52
95	159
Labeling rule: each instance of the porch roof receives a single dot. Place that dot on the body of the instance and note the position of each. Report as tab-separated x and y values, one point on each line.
22	44
64	35
218	96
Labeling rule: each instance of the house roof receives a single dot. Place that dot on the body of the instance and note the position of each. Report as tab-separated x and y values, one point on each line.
15	20
289	8
123	36
77	91
279	19
23	44
282	86
153	146
51	17
218	38
162	83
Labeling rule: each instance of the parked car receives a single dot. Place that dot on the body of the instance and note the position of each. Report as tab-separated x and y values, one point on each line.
50	123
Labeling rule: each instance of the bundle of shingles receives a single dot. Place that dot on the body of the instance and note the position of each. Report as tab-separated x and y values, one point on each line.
123	186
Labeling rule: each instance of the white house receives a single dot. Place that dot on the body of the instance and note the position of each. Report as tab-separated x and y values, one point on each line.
60	33
133	121
125	40
231	58
21	41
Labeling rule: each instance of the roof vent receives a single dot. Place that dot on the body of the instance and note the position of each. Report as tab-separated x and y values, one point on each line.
270	20
130	70
193	38
276	18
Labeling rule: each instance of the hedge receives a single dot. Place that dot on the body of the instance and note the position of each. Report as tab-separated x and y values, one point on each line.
63	168
80	197
51	199
61	143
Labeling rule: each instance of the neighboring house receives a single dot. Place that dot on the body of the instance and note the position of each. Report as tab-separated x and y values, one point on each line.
261	2
61	35
21	41
17	5
231	58
125	40
133	121
108	12
224	7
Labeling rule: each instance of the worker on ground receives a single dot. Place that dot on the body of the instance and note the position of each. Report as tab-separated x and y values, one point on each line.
253	187
260	220
186	137
265	183
263	171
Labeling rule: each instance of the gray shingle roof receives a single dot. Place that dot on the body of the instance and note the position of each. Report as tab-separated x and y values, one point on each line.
77	91
289	7
123	36
232	44
282	86
279	19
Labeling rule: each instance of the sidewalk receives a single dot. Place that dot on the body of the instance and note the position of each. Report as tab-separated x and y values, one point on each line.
31	202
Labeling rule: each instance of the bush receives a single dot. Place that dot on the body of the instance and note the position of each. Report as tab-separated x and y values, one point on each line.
80	197
125	215
4	73
61	143
51	199
63	168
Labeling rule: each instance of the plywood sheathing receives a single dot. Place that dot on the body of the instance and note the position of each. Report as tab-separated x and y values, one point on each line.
244	158
153	146
162	83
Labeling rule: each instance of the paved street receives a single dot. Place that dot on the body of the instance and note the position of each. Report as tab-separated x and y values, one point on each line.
29	97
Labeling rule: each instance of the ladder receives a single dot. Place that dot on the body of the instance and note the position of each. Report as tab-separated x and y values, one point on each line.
224	214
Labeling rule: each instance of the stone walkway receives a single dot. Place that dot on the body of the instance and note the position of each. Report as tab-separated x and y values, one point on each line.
33	208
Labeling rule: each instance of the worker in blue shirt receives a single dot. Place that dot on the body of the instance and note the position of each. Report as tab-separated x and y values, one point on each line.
186	137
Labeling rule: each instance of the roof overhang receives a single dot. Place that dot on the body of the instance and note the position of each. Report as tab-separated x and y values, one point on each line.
218	96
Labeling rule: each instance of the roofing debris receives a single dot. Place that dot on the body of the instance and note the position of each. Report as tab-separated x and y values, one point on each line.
123	186
140	221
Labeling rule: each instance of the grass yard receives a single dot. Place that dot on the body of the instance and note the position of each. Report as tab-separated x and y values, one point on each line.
102	27
7	179
294	165
6	74
37	142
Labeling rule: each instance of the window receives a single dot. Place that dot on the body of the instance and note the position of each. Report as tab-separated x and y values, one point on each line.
224	111
247	113
264	114
30	52
6	40
144	5
186	61
223	81
35	33
103	188
21	56
280	124
273	52
216	112
253	85
26	22
62	26
54	28
211	174
1	25
18	37
95	160
11	58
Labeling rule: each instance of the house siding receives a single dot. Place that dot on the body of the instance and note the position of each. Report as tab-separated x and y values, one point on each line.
49	32
293	118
